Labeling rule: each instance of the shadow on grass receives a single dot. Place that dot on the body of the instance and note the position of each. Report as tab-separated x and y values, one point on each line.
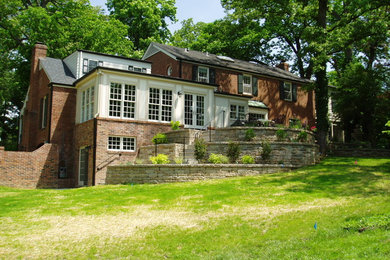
339	177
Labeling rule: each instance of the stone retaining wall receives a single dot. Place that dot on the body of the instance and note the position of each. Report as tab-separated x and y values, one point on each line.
297	154
163	173
261	134
172	150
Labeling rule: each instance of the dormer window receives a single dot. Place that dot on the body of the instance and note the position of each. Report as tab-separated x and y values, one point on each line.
89	65
137	69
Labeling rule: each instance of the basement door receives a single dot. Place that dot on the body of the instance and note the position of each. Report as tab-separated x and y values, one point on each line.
194	111
83	166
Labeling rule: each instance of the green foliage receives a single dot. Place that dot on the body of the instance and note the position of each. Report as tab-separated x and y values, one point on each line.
249	134
139	161
179	160
218	159
233	152
302	136
247	159
160	138
387	131
295	124
146	20
200	149
266	150
281	134
175	125
160	159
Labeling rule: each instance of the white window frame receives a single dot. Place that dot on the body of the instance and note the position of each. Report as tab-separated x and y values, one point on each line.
287	94
86	64
236	112
247	86
123	100
204	79
87	104
161	103
137	69
121	143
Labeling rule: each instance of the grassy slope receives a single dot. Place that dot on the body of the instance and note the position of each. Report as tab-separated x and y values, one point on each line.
268	217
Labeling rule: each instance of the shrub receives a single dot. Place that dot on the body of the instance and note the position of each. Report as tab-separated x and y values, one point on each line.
200	149
175	125
179	160
281	134
139	161
266	151
233	152
249	134
218	158
302	136
159	159
295	123
160	139
247	159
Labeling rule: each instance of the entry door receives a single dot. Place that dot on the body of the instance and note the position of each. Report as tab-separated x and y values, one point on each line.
194	111
83	167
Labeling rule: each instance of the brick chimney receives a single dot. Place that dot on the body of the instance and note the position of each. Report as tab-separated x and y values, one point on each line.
39	51
283	65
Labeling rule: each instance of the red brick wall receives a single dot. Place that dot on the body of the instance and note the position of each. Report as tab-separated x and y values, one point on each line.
38	169
161	62
227	80
142	131
302	109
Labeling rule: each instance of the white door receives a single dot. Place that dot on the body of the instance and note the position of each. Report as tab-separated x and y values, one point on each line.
194	111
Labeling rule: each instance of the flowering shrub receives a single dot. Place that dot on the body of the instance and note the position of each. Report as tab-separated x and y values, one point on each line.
313	128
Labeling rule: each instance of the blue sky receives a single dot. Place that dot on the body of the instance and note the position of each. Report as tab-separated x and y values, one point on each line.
199	10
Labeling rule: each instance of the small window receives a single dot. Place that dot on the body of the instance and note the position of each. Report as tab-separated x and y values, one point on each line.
143	70
137	69
100	63
247	84
131	67
117	143
169	71
203	74
85	66
92	64
287	91
256	117
44	110
237	112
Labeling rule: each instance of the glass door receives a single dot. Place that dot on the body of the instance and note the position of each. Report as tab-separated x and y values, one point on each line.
194	111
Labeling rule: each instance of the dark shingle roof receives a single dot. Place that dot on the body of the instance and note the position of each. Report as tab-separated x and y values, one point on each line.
215	60
57	71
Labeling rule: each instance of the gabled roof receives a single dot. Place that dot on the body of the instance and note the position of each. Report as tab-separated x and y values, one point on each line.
57	71
222	61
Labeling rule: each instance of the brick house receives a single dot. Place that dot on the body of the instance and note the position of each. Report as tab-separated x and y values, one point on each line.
91	110
275	93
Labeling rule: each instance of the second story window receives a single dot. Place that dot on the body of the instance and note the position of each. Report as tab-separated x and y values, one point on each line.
203	74
288	91
247	84
89	65
87	104
137	69
122	100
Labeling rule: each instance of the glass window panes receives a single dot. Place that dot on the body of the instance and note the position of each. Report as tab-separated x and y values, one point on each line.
115	100
233	112
199	110
188	118
247	80
287	91
128	144
114	143
92	64
166	112
129	101
203	74
154	103
255	116
241	112
87	104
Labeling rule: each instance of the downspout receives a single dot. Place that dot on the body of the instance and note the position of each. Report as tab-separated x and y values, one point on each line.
51	113
94	152
180	68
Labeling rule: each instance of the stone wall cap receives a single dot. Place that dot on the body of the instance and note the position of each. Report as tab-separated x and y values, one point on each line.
243	166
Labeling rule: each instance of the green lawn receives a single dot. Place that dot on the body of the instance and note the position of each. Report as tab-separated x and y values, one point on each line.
263	217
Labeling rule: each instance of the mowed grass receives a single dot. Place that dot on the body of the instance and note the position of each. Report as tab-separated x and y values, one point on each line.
262	217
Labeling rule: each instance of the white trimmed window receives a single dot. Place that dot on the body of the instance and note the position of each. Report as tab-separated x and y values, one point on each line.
137	69
203	74
120	143
160	104
87	104
237	112
89	65
288	91
122	100
247	84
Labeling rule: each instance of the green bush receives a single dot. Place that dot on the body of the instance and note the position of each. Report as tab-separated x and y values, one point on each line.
249	134
233	152
175	125
295	123
266	151
247	159
160	159
302	136
200	149
218	159
281	134
179	160
160	139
